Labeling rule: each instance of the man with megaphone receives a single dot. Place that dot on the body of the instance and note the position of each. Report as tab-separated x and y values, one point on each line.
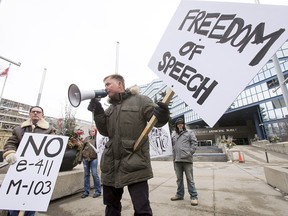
123	122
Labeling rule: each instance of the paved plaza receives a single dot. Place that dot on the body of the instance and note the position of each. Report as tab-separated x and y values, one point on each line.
224	188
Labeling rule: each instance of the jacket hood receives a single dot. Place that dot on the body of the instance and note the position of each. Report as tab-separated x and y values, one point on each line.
134	89
177	129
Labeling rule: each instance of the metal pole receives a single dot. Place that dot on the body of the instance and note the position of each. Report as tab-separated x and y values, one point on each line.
266	154
41	87
12	62
117	57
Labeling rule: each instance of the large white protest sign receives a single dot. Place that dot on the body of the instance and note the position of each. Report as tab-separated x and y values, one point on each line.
29	183
210	51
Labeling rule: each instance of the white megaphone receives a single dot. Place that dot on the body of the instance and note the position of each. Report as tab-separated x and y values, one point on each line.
75	96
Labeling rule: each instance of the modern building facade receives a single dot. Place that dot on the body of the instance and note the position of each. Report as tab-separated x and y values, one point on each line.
259	112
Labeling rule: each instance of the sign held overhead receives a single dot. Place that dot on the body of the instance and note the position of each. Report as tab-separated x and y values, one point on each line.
210	51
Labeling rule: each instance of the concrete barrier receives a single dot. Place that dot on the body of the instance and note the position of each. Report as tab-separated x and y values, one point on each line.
277	177
260	143
210	157
280	147
69	182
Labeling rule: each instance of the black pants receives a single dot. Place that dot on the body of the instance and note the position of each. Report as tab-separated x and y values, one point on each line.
139	193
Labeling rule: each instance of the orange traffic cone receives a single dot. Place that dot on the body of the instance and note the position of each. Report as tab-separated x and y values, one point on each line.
240	159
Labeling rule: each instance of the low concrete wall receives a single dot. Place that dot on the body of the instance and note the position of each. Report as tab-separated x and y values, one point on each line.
69	182
210	157
260	143
280	147
277	176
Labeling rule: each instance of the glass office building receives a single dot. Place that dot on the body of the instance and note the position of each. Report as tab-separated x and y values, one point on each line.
258	112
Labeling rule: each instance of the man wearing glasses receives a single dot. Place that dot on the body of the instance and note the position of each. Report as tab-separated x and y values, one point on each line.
34	124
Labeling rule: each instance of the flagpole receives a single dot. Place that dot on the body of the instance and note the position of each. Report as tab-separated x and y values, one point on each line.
4	86
117	57
41	87
10	61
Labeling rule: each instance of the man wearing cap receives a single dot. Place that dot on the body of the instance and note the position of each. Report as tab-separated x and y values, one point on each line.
184	143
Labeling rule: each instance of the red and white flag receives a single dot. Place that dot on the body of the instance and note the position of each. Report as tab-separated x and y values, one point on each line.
4	72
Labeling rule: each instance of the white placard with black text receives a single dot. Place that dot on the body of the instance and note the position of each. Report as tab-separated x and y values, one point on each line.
29	183
210	51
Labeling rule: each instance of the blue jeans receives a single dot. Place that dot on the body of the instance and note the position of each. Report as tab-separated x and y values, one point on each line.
187	168
91	165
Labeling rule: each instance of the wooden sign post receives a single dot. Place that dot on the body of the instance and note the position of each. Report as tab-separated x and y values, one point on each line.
153	121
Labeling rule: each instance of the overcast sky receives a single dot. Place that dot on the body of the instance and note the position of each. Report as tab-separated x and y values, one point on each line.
77	42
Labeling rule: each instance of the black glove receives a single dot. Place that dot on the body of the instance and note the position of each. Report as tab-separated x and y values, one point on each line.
162	112
95	106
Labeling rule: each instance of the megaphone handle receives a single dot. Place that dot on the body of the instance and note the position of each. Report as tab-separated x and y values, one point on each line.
152	121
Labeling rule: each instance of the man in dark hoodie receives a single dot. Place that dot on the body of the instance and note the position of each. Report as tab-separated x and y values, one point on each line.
184	143
123	122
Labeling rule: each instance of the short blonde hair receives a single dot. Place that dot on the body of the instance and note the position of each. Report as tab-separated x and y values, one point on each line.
116	77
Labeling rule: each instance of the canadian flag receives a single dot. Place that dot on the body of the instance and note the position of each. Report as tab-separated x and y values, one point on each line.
4	72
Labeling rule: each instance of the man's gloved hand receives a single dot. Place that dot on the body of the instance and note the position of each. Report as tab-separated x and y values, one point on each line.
162	112
11	158
95	106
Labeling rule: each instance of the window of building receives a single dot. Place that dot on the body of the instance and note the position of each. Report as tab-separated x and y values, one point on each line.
278	113
278	103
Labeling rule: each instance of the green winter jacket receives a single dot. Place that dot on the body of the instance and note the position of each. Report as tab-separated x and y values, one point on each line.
123	123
